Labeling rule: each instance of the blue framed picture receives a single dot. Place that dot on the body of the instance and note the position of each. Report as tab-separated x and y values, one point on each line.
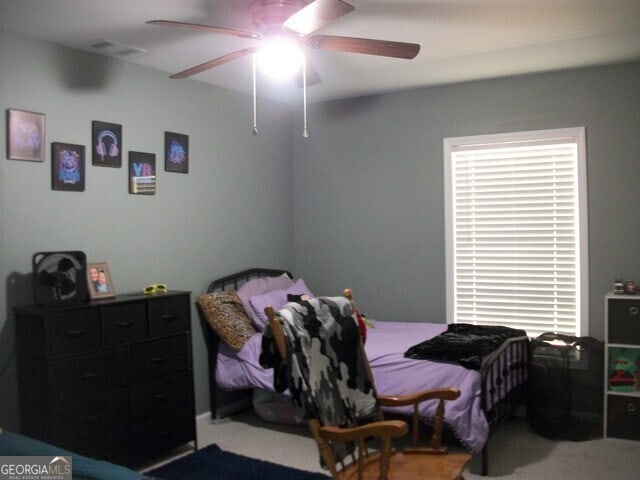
176	152
67	167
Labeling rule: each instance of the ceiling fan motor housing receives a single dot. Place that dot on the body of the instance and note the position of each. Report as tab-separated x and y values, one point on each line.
270	14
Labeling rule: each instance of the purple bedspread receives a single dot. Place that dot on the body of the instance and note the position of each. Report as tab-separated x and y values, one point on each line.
393	374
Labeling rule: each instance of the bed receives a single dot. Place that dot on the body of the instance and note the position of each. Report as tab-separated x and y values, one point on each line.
489	396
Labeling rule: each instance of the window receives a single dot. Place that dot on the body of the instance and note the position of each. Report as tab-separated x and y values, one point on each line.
516	231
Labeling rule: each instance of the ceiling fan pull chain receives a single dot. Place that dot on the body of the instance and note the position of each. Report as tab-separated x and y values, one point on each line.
255	124
305	132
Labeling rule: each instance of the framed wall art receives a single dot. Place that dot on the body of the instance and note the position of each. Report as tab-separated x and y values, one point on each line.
67	167
106	141
176	152
99	281
25	135
142	173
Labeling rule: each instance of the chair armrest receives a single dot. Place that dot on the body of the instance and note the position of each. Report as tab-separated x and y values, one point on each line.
439	394
415	398
384	428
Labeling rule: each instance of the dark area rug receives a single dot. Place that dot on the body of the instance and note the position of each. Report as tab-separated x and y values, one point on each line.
212	462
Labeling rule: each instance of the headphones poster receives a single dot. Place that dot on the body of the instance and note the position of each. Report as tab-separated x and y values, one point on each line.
106	140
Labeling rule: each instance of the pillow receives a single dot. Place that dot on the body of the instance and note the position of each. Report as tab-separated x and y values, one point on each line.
276	299
257	286
224	312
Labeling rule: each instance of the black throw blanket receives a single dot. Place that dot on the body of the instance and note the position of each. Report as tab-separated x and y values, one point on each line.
463	343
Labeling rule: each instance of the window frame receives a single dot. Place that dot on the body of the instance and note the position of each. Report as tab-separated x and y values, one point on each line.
574	134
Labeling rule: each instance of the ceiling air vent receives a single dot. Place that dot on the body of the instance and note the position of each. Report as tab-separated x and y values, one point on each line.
119	49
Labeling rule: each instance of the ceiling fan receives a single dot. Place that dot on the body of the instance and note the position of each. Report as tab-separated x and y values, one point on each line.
295	20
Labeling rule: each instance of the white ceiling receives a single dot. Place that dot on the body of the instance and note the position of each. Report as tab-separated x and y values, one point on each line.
460	40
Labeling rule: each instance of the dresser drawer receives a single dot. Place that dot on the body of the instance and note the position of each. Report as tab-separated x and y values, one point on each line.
624	321
157	358
74	378
623	417
86	426
165	394
73	331
124	323
161	433
169	315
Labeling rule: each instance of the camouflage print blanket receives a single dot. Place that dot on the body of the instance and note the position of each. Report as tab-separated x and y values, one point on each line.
325	369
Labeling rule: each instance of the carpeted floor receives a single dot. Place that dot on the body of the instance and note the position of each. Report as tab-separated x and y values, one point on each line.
213	462
515	452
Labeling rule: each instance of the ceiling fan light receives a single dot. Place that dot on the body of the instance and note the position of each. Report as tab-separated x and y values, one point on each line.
279	59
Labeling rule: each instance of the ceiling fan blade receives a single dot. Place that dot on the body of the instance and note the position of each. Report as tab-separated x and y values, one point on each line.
313	77
316	15
205	28
369	46
214	63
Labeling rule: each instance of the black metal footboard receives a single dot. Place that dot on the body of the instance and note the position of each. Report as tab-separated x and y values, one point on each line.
504	386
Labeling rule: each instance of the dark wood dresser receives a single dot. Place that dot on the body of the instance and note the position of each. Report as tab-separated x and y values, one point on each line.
111	379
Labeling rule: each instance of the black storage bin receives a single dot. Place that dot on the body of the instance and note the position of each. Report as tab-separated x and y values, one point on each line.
566	387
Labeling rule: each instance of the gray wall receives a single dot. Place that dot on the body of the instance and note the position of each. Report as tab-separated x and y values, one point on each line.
232	211
369	195
359	203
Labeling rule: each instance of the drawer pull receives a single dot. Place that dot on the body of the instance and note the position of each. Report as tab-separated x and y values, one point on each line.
161	359
93	418
75	333
124	325
160	396
91	375
169	318
633	310
631	407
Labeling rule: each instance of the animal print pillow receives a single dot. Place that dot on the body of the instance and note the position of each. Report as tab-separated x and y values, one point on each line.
225	313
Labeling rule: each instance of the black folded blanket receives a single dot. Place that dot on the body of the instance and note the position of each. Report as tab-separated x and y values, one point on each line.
464	343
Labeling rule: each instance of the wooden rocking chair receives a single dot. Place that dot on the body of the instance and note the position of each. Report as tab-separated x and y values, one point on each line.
431	461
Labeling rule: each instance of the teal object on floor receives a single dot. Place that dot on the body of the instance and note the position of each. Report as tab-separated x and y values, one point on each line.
84	468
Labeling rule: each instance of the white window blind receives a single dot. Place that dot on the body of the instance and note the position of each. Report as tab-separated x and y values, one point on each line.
516	231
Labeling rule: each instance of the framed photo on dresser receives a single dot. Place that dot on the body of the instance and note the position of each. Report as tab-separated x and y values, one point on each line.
99	281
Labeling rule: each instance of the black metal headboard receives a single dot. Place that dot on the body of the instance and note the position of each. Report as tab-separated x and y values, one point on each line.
223	402
237	279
